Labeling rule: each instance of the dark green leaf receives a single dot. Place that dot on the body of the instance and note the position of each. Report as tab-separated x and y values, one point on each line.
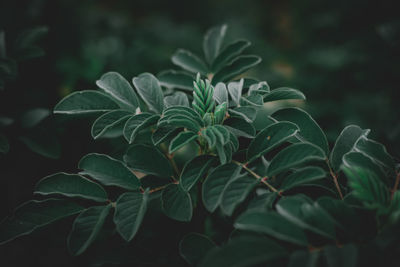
248	113
238	66
150	91
4	146
271	137
35	214
177	99
138	123
216	183
194	170
220	93
149	160
273	224
235	91
162	134
294	155
376	151
303	176
120	89
245	251
309	129
189	61
33	117
177	203
351	159
345	256
259	88
85	102
176	79
181	140
129	213
212	42
108	171
240	127
181	110
284	93
70	185
107	121
86	227
43	142
228	53
193	247
345	143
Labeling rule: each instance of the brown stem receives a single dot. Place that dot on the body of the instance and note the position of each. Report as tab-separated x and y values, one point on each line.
257	176
335	179
396	184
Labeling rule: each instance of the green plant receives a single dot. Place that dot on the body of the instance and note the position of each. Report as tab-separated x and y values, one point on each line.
247	193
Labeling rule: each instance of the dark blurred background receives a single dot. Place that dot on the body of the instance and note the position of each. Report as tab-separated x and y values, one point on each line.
344	55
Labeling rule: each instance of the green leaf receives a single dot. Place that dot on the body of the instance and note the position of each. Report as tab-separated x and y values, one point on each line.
162	134
240	127
345	256
107	121
180	120
309	129
43	142
129	213
376	151
33	117
85	102
70	185
4	145
235	91
367	187
138	123
245	251
220	112
212	42
181	140
194	170
193	247
228	53
177	203
273	224
150	91
302	176
177	99
345	143
210	137
306	214
119	88
181	110
248	113
259	88
284	93
189	61
221	133
216	183
86	227
271	137
252	100
108	171
293	156
351	159
220	93
176	79
236	192
149	160
35	214
237	66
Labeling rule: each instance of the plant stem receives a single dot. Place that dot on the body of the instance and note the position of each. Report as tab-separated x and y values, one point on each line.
170	157
335	179
396	184
257	176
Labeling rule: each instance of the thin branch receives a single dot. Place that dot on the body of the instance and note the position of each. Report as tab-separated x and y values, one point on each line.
257	176
335	179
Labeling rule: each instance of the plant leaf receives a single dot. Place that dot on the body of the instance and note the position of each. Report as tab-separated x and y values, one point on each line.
344	143
34	214
129	213
119	88
189	61
237	66
309	129
248	113
220	93
284	93
271	137
107	121
273	224
86	227
294	155
138	123
176	79
376	151
181	140
4	145
70	185
150	91
194	170
108	171
240	127
149	160
212	42
162	134
193	247
216	183
228	53
85	102
302	176
235	91
177	99
177	203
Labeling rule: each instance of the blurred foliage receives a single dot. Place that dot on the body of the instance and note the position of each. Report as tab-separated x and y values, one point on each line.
343	55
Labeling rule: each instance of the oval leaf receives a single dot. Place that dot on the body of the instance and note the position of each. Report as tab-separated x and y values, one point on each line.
107	121
194	170
189	61
138	123
150	91
284	93
193	247
212	42
228	53
181	140
236	67
240	127
177	203
303	176
176	79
